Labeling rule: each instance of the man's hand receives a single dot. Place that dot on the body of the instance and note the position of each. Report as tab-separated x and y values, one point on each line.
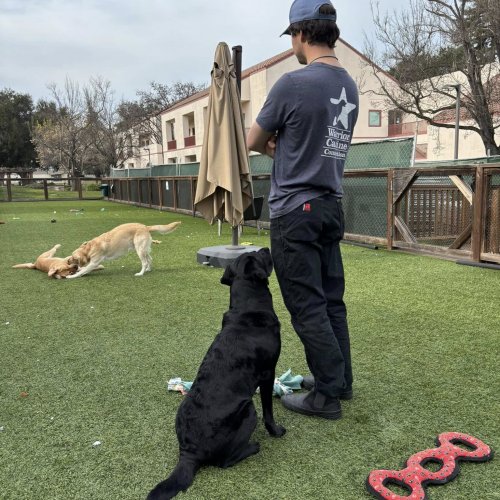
271	146
261	140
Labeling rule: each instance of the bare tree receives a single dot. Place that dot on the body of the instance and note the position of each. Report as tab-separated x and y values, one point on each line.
143	117
433	47
84	130
107	141
162	96
66	135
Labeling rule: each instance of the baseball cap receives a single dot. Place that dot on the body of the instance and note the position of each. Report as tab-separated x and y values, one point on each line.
307	10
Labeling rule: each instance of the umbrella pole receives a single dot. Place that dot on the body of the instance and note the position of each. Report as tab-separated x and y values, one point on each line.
234	236
237	50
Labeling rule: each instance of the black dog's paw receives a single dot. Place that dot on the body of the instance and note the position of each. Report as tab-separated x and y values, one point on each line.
275	430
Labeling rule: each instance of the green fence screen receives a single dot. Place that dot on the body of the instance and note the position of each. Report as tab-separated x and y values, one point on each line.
376	154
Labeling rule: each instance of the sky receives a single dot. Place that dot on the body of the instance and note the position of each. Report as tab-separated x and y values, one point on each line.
134	42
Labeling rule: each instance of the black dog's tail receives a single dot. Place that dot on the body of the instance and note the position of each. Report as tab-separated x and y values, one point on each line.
180	479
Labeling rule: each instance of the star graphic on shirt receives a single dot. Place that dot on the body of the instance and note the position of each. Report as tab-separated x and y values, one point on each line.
346	109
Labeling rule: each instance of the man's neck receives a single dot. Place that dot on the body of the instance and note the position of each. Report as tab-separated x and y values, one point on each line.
321	54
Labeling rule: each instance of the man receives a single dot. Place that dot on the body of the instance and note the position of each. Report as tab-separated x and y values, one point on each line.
306	125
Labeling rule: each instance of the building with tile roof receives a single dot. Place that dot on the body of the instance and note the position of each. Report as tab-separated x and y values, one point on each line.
183	124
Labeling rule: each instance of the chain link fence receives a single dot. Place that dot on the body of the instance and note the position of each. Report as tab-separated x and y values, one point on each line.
365	206
394	153
387	199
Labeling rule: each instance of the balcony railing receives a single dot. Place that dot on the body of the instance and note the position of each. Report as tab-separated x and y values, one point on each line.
189	141
172	144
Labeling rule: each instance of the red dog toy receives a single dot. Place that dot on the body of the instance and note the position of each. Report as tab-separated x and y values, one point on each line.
415	476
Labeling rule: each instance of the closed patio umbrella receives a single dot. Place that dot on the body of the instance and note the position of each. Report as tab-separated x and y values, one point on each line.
224	188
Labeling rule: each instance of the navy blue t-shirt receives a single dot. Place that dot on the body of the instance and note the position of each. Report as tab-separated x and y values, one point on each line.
313	111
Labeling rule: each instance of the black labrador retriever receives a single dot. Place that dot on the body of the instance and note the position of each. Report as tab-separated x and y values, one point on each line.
217	417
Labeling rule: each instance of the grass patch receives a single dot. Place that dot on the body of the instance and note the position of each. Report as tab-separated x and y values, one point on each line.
87	360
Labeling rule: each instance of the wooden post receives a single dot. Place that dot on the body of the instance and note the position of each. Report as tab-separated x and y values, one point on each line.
45	190
160	193
193	194
390	209
477	215
174	186
79	187
9	189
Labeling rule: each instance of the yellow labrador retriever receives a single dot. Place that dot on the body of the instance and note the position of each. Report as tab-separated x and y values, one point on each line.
115	243
55	267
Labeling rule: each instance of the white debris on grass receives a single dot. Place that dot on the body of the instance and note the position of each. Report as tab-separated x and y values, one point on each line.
96	443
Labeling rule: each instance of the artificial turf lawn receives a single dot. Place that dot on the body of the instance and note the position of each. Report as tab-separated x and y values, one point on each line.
88	360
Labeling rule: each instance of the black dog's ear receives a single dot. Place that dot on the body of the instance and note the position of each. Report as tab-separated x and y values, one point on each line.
258	265
253	270
267	260
228	276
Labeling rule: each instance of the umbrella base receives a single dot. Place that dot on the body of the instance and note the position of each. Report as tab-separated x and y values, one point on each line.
223	255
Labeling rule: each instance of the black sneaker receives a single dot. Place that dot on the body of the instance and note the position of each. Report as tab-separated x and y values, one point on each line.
313	404
308	385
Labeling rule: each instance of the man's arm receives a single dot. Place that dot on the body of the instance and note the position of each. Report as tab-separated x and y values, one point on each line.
261	140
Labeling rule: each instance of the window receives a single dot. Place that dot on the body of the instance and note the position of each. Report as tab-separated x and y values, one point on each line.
188	124
374	118
170	129
395	117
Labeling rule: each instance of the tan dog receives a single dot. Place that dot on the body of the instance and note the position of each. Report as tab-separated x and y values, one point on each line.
55	267
115	243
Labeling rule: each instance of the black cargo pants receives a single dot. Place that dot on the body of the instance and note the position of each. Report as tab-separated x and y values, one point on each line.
305	246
